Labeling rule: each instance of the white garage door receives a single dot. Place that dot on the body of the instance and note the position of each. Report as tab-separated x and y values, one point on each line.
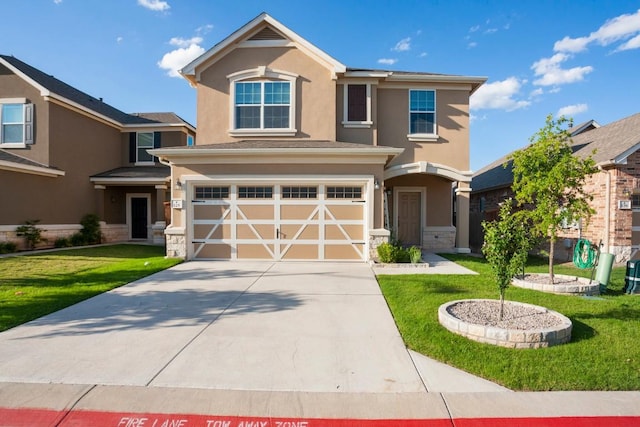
279	221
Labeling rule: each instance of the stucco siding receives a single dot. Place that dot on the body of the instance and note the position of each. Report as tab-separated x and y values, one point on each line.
315	93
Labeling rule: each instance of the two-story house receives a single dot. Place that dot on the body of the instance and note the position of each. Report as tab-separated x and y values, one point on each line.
299	157
65	154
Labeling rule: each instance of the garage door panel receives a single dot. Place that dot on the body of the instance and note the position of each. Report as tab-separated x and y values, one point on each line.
211	231
212	250
344	252
299	252
344	212
327	226
302	231
254	212
255	231
209	211
303	212
338	232
255	251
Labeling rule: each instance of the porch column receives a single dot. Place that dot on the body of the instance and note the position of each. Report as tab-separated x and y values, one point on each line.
100	200
462	218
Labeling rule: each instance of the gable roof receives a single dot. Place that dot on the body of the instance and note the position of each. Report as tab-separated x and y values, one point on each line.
260	31
612	143
51	87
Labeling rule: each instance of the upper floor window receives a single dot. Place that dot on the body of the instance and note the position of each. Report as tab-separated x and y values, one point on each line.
263	105
422	115
16	122
139	143
262	102
190	140
145	142
357	105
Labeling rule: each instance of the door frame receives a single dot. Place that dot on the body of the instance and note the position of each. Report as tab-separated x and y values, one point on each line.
129	214
423	207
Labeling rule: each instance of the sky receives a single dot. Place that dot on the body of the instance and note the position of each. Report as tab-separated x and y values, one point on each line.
580	59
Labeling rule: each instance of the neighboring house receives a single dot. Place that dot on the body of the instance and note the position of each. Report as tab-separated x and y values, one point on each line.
615	190
300	157
65	154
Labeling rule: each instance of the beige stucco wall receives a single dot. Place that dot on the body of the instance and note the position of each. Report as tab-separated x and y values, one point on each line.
315	93
452	118
438	193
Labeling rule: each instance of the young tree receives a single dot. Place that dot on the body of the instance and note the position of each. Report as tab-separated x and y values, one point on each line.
506	244
549	180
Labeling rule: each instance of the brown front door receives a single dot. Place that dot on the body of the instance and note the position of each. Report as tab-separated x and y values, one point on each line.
409	224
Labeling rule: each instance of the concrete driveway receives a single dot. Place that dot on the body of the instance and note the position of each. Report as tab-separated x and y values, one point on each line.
322	327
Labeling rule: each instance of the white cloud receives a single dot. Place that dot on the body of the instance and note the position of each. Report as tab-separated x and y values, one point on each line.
491	30
157	5
57	1
550	72
423	55
499	95
536	92
572	110
180	42
619	28
204	29
403	45
471	45
387	61
176	59
554	90
119	39
634	43
474	28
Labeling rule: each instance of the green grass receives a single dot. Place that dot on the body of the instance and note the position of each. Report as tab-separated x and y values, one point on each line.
604	353
38	284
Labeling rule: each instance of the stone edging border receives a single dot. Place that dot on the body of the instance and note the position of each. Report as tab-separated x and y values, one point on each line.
512	338
580	286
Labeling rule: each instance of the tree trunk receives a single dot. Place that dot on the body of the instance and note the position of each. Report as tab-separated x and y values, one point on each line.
501	303
552	245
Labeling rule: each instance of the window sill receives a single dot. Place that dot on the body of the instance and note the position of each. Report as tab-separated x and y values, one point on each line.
423	137
144	164
263	132
13	145
357	125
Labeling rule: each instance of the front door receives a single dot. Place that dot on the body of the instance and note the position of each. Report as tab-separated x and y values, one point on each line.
139	217
409	223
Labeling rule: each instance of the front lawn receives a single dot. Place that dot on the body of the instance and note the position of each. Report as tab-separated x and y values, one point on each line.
604	353
38	284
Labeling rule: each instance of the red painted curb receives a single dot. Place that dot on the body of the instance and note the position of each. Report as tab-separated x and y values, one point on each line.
28	417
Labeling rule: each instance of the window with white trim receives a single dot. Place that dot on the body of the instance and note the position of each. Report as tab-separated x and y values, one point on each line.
357	105
344	192
262	102
16	122
251	192
263	105
422	113
144	142
295	192
211	192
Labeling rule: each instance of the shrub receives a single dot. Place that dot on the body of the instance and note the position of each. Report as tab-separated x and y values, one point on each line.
8	247
31	233
392	253
415	254
77	239
62	242
91	229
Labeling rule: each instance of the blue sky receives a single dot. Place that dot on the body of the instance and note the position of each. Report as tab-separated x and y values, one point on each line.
577	58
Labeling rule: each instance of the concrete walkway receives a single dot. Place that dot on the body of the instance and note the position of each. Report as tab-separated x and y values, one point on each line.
260	344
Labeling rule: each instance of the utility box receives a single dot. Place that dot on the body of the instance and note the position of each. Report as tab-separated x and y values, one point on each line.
632	278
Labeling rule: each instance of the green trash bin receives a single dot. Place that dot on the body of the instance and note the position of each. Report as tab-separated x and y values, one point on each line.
632	277
603	272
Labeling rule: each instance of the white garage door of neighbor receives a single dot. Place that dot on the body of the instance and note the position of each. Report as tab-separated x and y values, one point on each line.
279	221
